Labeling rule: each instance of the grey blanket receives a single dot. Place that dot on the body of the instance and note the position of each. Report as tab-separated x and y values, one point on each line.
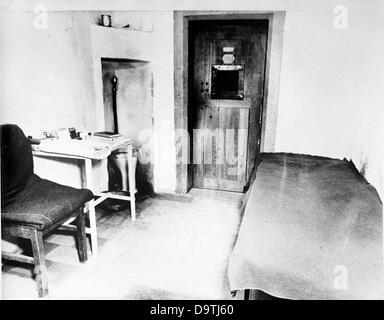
311	229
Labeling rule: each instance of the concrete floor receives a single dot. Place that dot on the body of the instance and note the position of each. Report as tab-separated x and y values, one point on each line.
174	250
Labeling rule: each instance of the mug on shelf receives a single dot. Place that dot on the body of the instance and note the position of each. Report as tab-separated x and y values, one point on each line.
106	20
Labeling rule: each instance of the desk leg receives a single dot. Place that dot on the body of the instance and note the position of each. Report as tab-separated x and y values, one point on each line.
132	183
91	206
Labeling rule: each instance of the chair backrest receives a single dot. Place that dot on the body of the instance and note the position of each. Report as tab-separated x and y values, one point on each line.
16	161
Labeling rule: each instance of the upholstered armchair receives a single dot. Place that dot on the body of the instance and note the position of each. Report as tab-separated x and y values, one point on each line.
31	206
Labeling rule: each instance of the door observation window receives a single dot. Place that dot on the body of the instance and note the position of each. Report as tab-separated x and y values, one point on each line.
227	82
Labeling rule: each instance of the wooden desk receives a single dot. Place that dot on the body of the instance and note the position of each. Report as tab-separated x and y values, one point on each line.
87	182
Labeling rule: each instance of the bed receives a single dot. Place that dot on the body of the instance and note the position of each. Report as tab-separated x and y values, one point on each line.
311	229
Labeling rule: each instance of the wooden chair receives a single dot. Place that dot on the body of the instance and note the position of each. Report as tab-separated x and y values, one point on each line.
32	207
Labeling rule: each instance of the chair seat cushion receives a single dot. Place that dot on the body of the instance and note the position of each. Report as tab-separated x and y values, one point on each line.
42	203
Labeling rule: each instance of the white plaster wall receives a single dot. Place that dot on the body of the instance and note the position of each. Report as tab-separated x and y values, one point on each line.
332	88
45	74
51	78
330	95
331	91
46	79
157	48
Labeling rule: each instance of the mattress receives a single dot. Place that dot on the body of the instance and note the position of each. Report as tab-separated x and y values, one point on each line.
311	229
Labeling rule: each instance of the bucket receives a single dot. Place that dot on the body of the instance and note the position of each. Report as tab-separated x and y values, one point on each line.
121	161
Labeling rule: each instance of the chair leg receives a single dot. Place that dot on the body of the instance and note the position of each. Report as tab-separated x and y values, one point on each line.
41	271
93	227
81	237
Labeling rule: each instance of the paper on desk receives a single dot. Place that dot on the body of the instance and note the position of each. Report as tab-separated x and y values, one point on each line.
83	148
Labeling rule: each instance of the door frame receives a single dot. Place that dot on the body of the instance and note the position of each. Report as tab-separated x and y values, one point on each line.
276	21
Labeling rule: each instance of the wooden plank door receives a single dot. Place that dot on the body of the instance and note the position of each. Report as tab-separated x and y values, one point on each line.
228	63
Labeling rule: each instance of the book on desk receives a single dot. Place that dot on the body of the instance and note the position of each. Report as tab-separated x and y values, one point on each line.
94	148
107	134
